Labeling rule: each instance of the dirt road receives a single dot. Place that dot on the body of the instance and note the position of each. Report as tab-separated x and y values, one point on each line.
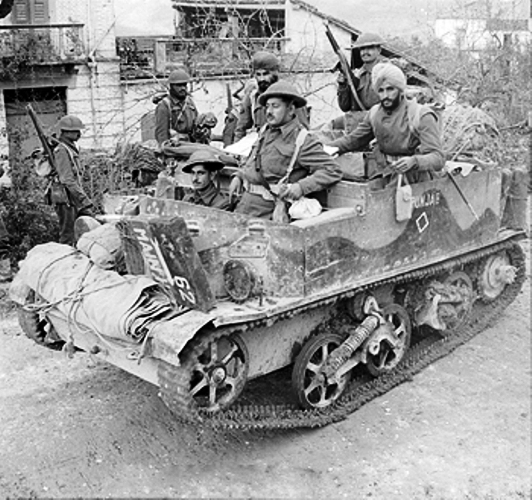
459	430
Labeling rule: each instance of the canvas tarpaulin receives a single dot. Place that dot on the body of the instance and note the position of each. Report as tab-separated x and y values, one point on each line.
122	307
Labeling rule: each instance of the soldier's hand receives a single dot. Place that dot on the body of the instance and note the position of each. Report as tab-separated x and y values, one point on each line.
341	79
405	164
235	188
292	192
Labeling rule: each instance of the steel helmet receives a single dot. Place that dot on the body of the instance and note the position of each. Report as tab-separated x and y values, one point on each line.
70	122
285	90
265	60
208	159
178	76
368	40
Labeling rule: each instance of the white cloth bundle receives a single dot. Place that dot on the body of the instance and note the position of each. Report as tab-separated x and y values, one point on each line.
102	245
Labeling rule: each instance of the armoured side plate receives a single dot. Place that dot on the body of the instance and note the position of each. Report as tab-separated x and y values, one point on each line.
349	194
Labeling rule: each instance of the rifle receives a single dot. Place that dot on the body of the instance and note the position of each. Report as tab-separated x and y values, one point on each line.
45	141
346	69
229	99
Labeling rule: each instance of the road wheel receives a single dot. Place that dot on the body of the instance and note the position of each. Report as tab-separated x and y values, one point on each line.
310	385
388	356
218	370
456	313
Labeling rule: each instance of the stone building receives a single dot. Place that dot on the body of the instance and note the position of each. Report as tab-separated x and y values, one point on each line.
60	57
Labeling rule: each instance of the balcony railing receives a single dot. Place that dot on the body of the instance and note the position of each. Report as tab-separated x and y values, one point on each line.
202	56
26	45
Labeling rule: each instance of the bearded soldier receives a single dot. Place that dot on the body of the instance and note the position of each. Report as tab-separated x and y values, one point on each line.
177	111
407	133
252	115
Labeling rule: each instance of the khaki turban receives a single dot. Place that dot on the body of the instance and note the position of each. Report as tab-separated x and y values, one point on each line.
390	73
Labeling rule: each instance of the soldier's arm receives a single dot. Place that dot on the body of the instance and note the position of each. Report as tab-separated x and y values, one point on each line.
323	169
357	140
67	177
345	97
64	167
429	154
162	123
245	120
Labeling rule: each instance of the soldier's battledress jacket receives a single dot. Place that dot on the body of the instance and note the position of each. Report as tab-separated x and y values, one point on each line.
68	168
253	115
395	137
173	114
209	197
314	169
364	87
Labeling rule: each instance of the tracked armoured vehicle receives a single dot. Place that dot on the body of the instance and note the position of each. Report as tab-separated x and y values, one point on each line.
340	307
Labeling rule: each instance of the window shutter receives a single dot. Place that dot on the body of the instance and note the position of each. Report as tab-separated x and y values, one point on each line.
40	12
21	12
30	12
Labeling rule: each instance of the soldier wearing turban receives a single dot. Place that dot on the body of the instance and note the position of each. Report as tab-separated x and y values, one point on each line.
407	133
265	67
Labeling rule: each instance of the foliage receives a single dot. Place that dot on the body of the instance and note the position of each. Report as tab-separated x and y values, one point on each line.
495	78
30	221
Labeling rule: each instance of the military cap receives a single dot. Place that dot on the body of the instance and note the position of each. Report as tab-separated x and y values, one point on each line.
178	76
208	159
71	123
284	90
368	40
265	60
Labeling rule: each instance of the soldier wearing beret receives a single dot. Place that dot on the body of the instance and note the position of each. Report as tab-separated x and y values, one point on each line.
203	166
252	115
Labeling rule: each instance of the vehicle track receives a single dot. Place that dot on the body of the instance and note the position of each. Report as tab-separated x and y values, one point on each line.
175	380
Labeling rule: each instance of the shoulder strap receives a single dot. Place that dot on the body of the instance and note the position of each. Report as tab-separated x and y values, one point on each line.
415	112
75	163
300	139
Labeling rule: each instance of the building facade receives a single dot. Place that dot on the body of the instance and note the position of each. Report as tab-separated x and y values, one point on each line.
59	56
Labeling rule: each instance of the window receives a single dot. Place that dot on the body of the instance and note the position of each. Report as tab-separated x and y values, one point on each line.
30	12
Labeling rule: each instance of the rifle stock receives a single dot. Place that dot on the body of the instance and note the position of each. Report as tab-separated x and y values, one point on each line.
47	148
346	68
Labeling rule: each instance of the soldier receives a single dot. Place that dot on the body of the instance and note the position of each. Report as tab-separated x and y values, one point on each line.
407	133
203	166
66	192
284	144
369	45
265	66
177	111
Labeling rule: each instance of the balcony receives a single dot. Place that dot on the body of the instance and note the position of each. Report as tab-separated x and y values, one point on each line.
144	57
25	46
